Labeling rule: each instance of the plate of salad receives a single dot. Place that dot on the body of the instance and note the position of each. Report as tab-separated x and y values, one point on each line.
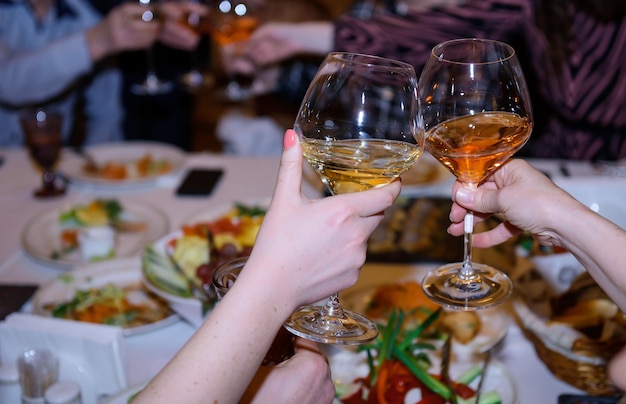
125	165
109	293
52	237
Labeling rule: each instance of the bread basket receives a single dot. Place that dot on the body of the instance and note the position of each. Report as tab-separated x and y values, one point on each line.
572	356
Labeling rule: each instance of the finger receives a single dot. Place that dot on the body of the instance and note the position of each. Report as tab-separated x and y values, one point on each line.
478	200
457	227
495	236
307	345
378	200
457	213
290	171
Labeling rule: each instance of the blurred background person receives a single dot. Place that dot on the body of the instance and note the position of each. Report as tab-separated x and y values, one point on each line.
61	52
573	55
164	116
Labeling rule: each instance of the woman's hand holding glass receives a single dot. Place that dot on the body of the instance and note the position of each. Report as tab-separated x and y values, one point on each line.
360	129
328	242
477	114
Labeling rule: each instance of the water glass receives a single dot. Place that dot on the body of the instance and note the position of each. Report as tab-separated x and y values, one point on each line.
223	279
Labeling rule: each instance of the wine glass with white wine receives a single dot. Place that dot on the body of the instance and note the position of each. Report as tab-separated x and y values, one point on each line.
360	128
477	113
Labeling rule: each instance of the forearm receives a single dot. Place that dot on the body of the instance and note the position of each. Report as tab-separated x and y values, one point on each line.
38	75
225	352
99	42
599	245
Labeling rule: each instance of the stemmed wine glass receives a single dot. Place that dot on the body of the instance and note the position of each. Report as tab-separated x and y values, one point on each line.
194	79
152	84
42	134
477	113
360	128
233	22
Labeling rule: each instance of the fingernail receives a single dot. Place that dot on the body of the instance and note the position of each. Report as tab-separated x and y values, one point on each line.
289	140
464	195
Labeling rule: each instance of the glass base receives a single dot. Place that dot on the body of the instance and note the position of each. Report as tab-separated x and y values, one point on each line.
152	86
47	192
236	92
194	80
445	286
347	328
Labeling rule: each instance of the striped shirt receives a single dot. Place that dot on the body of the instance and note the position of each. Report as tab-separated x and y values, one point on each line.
580	112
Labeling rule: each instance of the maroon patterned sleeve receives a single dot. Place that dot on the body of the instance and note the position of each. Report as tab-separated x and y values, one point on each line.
410	37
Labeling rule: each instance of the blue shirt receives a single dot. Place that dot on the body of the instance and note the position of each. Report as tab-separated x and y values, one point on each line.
47	62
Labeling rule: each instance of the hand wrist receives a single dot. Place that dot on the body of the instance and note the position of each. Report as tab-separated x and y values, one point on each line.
98	42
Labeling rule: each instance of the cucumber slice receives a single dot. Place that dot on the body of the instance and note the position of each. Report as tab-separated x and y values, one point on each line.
161	273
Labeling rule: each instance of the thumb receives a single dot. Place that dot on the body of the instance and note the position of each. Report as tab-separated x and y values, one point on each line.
290	170
479	200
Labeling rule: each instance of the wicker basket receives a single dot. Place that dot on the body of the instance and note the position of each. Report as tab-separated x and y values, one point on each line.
569	355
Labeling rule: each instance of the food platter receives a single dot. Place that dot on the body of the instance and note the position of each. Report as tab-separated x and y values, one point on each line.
347	365
162	278
123	273
41	236
72	165
414	230
495	322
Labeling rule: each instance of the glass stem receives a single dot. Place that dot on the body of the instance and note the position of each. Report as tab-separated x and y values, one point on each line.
467	272
333	307
150	62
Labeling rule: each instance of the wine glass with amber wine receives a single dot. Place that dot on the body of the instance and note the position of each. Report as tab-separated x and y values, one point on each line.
477	113
233	22
360	129
42	134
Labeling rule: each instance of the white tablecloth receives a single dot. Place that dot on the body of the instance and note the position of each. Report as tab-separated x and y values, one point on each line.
244	179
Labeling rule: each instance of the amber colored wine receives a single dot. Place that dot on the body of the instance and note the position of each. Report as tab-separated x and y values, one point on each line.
234	29
359	164
472	146
201	25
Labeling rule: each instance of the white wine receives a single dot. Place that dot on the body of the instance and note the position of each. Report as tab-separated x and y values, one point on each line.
358	164
473	146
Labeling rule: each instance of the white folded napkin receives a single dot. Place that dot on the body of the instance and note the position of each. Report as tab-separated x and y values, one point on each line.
249	136
89	354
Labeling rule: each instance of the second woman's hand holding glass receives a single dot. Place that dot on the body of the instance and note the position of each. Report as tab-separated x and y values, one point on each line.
477	114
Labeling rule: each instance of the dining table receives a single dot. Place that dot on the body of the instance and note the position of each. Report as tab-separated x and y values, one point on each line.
250	178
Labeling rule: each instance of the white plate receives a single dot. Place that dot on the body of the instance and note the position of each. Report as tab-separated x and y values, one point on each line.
40	237
71	165
190	308
495	321
347	365
121	272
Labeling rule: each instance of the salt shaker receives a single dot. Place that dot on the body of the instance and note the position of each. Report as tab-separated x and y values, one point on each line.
64	392
38	370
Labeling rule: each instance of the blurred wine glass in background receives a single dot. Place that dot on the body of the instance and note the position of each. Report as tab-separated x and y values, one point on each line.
234	21
152	84
42	134
196	78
